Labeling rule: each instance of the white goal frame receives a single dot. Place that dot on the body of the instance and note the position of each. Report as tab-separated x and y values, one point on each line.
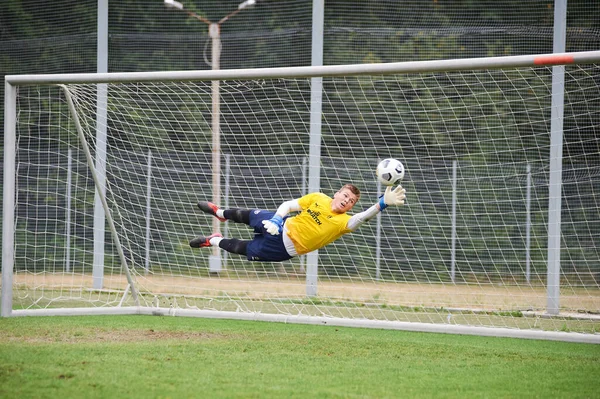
13	82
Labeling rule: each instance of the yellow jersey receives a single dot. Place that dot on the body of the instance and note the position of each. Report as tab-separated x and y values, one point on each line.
316	225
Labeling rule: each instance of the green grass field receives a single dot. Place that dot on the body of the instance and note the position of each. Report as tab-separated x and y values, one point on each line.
168	357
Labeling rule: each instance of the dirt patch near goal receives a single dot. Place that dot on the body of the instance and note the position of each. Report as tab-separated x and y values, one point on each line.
469	296
81	335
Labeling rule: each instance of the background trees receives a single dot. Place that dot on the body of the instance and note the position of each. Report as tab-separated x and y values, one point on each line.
37	36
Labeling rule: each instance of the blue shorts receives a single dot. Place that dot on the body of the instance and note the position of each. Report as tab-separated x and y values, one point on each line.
265	247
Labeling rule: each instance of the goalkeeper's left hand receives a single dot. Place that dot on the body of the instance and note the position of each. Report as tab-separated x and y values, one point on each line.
393	197
274	226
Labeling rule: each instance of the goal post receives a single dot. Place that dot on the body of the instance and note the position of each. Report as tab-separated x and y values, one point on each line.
469	253
8	224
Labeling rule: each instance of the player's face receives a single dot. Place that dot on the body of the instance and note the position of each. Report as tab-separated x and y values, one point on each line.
343	201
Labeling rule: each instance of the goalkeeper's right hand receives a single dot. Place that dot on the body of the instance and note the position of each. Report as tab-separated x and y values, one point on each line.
393	197
274	226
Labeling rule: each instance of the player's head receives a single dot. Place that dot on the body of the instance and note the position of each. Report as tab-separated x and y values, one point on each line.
345	198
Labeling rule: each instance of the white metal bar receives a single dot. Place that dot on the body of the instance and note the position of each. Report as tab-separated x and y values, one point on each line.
68	213
215	33
323	321
8	211
99	214
102	46
124	297
314	156
528	227
226	193
583	57
453	227
555	183
101	126
148	209
378	235
303	190
104	311
94	173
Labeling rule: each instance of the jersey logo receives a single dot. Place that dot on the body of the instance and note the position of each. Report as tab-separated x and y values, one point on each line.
315	215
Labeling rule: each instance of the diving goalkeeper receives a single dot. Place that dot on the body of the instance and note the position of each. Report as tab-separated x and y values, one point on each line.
279	236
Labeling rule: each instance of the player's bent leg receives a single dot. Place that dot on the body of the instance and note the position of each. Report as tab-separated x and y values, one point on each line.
211	209
201	241
238	215
234	245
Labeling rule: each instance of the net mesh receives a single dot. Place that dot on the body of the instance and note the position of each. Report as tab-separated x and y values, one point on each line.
470	246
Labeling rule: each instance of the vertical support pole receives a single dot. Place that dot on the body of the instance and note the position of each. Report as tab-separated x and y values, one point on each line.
101	110
314	163
148	209
378	236
214	260
528	227
556	142
68	213
8	211
303	184
453	232
303	192
226	200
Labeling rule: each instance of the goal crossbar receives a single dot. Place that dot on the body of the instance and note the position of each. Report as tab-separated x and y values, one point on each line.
583	57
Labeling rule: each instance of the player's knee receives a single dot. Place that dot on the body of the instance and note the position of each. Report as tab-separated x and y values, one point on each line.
238	215
234	246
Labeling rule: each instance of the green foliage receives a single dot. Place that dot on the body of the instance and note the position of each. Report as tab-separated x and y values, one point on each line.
439	118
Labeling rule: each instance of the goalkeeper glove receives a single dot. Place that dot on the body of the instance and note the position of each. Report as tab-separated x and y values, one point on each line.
393	197
274	226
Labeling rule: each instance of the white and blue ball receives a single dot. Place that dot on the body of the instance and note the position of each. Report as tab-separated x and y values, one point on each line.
390	171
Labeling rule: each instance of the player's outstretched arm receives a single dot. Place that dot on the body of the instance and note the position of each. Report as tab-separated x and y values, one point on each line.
274	225
391	197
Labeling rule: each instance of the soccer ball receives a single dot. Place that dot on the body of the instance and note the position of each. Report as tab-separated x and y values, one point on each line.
390	171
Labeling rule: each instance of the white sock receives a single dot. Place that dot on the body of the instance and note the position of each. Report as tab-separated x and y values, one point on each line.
215	241
219	213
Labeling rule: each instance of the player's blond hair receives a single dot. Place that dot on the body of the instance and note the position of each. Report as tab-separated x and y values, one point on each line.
353	189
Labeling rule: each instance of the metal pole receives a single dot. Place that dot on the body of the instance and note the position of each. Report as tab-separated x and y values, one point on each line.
107	212
556	143
453	231
303	192
148	209
461	64
378	237
226	195
68	213
314	167
8	211
214	31
101	118
528	227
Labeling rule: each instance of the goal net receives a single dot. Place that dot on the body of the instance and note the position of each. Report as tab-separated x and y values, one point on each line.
106	171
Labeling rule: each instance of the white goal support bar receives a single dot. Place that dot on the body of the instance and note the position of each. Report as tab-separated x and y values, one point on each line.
583	57
321	321
109	219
